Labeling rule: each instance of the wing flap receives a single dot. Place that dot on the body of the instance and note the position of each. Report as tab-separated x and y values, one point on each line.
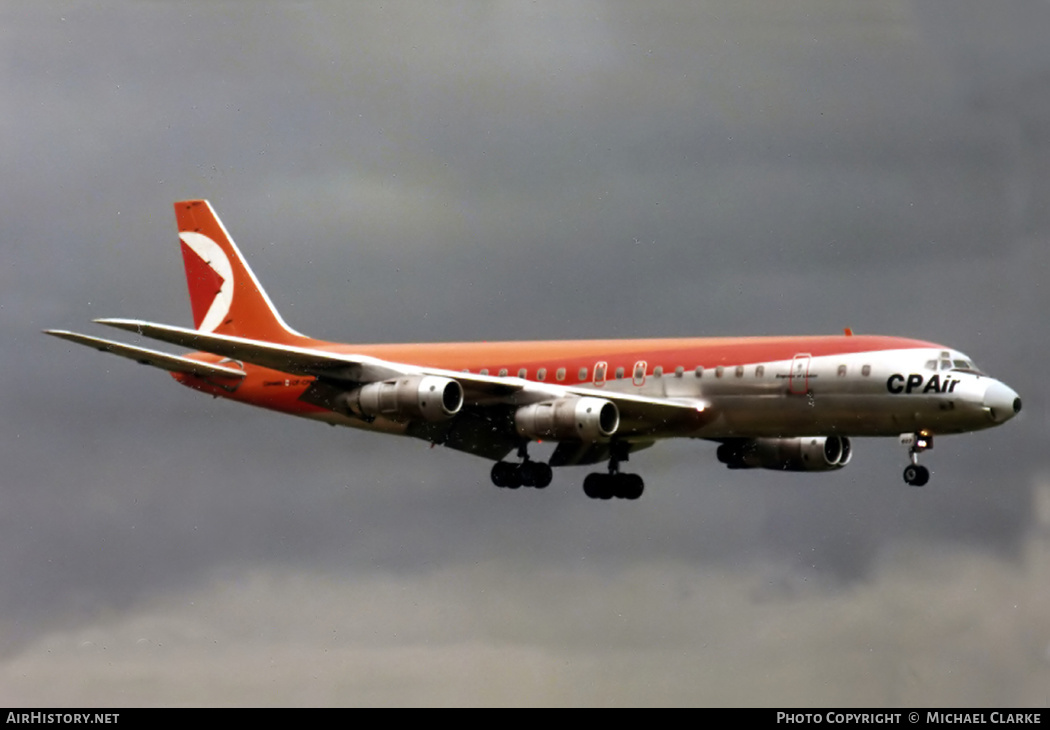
155	358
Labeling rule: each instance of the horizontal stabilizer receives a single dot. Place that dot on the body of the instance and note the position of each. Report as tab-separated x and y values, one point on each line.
172	363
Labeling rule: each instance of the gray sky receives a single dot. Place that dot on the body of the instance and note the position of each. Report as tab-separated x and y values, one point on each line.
479	171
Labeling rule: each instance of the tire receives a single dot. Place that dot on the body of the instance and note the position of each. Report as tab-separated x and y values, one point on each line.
500	473
528	473
592	485
633	487
506	474
916	475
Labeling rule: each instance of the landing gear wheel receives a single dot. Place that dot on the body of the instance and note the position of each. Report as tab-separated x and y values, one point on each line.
501	473
514	481
633	486
506	474
607	486
592	485
526	474
542	476
916	475
535	474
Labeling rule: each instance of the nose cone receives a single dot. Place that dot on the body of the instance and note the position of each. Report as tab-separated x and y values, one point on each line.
1002	402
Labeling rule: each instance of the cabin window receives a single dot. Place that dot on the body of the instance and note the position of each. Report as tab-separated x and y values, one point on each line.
619	373
842	371
699	371
600	368
739	372
760	371
503	372
465	370
866	370
541	374
560	374
639	372
483	371
582	375
523	373
719	371
679	371
658	371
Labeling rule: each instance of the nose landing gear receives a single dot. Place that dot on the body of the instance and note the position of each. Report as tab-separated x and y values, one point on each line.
915	474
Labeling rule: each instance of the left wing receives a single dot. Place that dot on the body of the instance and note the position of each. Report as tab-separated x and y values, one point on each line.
639	415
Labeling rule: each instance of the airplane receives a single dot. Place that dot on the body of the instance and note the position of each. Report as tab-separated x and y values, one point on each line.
782	403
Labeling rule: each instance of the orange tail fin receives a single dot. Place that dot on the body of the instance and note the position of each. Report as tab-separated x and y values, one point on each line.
225	295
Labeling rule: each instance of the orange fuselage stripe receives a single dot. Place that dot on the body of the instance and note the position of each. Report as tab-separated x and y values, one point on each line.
280	391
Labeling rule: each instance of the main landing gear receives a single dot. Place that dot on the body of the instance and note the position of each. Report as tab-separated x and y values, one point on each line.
526	474
614	484
536	474
915	474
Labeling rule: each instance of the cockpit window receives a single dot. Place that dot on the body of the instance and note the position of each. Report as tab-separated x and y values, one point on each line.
945	363
966	366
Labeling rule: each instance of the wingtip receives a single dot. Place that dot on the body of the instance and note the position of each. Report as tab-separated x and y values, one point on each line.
64	334
60	334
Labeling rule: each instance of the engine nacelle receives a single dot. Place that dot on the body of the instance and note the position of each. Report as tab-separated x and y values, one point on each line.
807	453
407	398
568	419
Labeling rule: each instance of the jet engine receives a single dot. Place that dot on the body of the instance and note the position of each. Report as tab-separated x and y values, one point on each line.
568	419
807	453
407	398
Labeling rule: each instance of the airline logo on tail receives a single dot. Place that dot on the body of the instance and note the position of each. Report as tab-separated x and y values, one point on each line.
225	295
210	279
